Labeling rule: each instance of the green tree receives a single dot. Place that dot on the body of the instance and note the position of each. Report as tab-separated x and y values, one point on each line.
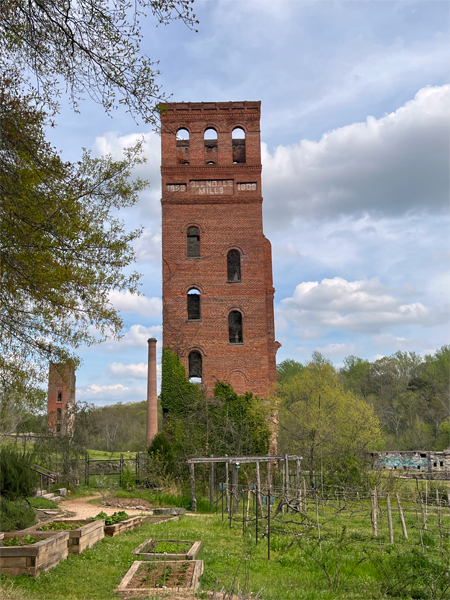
287	369
62	249
322	421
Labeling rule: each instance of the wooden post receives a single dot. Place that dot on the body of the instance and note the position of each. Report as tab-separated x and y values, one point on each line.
211	481
269	500
258	489
286	479
402	519
192	474
424	518
298	482
235	488
441	536
269	478
373	498
227	487
305	496
389	512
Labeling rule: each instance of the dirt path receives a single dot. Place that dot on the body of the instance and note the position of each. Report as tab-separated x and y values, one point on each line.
83	510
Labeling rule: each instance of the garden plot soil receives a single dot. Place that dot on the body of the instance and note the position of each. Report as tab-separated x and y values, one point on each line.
137	503
158	575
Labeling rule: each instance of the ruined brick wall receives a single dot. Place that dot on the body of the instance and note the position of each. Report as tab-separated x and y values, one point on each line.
60	398
214	188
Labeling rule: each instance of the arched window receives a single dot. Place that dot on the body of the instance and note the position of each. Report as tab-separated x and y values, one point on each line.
193	242
195	367
238	142
235	327
183	146
193	305
210	141
234	265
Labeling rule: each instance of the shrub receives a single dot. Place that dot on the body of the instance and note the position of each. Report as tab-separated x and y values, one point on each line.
17	480
14	516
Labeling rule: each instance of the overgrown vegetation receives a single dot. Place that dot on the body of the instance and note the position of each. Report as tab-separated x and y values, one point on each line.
17	480
15	515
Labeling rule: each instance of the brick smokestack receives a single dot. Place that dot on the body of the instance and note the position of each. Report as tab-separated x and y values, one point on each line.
152	397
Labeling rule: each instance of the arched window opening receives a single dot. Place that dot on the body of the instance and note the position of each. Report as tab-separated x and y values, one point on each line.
58	414
182	146
235	327
193	242
195	367
238	142
234	265
193	305
210	140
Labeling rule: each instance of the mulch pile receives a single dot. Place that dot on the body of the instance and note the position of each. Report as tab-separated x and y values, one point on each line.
138	503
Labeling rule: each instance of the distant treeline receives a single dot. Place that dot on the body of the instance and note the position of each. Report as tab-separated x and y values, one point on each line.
409	393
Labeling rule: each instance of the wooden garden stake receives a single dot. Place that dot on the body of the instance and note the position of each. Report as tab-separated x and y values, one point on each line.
441	535
286	479
389	512
192	474
211	481
258	490
373	498
227	488
298	482
402	519
424	518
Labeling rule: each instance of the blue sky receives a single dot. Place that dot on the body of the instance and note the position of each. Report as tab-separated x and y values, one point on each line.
355	146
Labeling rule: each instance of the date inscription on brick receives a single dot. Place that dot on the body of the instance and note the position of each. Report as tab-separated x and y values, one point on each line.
212	187
176	187
246	187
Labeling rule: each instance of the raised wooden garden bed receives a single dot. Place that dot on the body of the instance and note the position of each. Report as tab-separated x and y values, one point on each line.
126	525
149	579
86	535
168	549
31	560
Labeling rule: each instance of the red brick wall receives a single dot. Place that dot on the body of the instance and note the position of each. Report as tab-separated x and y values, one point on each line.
228	217
61	378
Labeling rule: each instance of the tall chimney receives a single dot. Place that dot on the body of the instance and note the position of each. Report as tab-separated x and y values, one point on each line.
152	397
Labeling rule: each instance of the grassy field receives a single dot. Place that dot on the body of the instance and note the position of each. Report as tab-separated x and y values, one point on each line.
344	561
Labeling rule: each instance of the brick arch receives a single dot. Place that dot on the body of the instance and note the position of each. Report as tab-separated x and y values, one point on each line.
184	352
234	247
192	286
239	126
238	381
184	227
238	307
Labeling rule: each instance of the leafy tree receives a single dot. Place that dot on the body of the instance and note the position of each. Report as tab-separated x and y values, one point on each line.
89	47
287	369
354	374
322	421
17	480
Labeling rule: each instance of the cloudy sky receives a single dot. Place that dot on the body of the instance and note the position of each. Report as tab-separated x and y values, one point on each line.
355	152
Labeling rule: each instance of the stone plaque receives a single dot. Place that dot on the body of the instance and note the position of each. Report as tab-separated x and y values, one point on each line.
212	187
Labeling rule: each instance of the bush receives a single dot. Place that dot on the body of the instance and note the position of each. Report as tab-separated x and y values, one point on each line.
17	480
15	516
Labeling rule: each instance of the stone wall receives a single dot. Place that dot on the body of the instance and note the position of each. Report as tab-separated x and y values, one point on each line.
417	462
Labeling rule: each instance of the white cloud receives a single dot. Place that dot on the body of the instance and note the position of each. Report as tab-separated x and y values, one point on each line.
133	371
148	247
138	335
336	349
360	306
141	305
387	166
96	391
392	342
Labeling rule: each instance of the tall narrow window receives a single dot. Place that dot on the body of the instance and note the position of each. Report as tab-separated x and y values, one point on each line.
234	265
58	414
235	327
210	140
238	145
193	242
183	146
59	398
193	305
195	367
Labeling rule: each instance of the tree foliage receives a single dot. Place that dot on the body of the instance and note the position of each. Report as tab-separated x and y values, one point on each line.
199	424
322	421
62	248
87	48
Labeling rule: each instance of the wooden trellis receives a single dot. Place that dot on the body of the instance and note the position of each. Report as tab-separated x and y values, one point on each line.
235	462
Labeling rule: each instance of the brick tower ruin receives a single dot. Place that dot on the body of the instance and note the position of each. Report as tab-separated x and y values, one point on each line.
60	399
217	264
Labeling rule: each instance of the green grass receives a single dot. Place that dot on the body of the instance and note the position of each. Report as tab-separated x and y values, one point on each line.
103	455
42	503
167	500
359	566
